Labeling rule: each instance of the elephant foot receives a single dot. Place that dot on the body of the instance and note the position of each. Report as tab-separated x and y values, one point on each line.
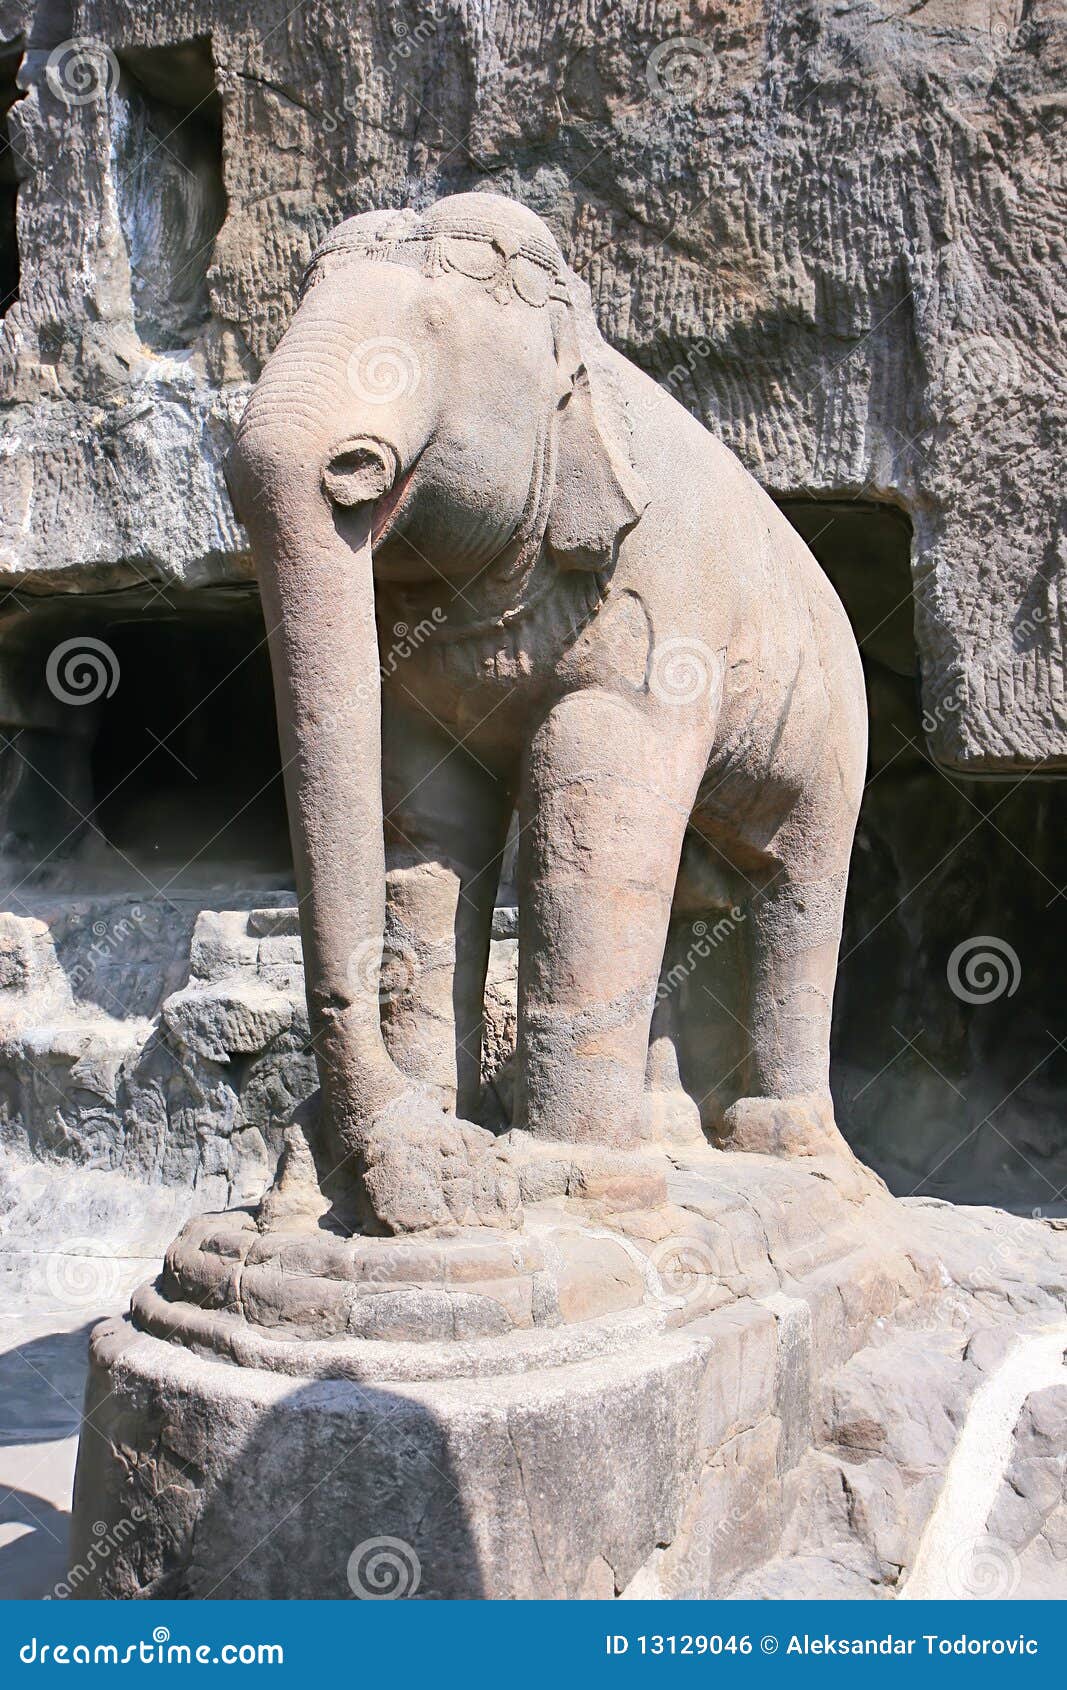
783	1126
422	1168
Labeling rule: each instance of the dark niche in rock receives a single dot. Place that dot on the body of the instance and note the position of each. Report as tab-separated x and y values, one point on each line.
945	1072
167	141
10	57
141	745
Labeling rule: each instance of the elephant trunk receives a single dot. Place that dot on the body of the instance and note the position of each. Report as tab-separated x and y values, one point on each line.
318	601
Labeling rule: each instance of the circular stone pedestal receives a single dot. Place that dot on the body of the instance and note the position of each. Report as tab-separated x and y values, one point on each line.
311	1301
282	1407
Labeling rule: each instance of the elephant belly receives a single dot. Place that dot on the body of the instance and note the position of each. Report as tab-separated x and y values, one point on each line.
776	767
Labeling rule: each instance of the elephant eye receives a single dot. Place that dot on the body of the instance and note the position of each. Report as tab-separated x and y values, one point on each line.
532	282
475	258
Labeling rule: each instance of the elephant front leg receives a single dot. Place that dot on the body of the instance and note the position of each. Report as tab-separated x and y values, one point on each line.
604	807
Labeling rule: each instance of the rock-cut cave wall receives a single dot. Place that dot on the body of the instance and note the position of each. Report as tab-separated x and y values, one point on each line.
834	232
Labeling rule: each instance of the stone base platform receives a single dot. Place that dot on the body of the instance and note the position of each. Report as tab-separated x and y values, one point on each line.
752	1389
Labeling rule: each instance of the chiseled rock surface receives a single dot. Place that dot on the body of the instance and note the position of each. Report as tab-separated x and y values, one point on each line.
834	231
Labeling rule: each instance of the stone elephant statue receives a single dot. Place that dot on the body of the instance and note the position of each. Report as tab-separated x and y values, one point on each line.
503	570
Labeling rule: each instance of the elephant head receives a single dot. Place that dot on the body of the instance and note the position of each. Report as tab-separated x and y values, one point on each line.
441	405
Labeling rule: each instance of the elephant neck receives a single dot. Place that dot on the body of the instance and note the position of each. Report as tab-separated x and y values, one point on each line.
515	579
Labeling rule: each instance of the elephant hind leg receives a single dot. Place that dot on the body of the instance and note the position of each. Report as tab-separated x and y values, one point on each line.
793	933
698	1050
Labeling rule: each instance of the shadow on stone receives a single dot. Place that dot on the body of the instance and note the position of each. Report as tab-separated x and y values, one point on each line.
229	1483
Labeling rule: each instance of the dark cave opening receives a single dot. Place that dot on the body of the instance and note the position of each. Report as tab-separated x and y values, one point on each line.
946	1071
142	749
10	58
167	134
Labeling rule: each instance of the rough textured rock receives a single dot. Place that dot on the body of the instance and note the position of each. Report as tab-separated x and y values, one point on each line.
797	216
1030	1515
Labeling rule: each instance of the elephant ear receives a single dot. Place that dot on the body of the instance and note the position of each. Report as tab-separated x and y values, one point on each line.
597	494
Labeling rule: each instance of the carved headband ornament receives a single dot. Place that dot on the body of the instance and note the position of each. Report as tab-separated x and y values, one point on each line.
509	265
